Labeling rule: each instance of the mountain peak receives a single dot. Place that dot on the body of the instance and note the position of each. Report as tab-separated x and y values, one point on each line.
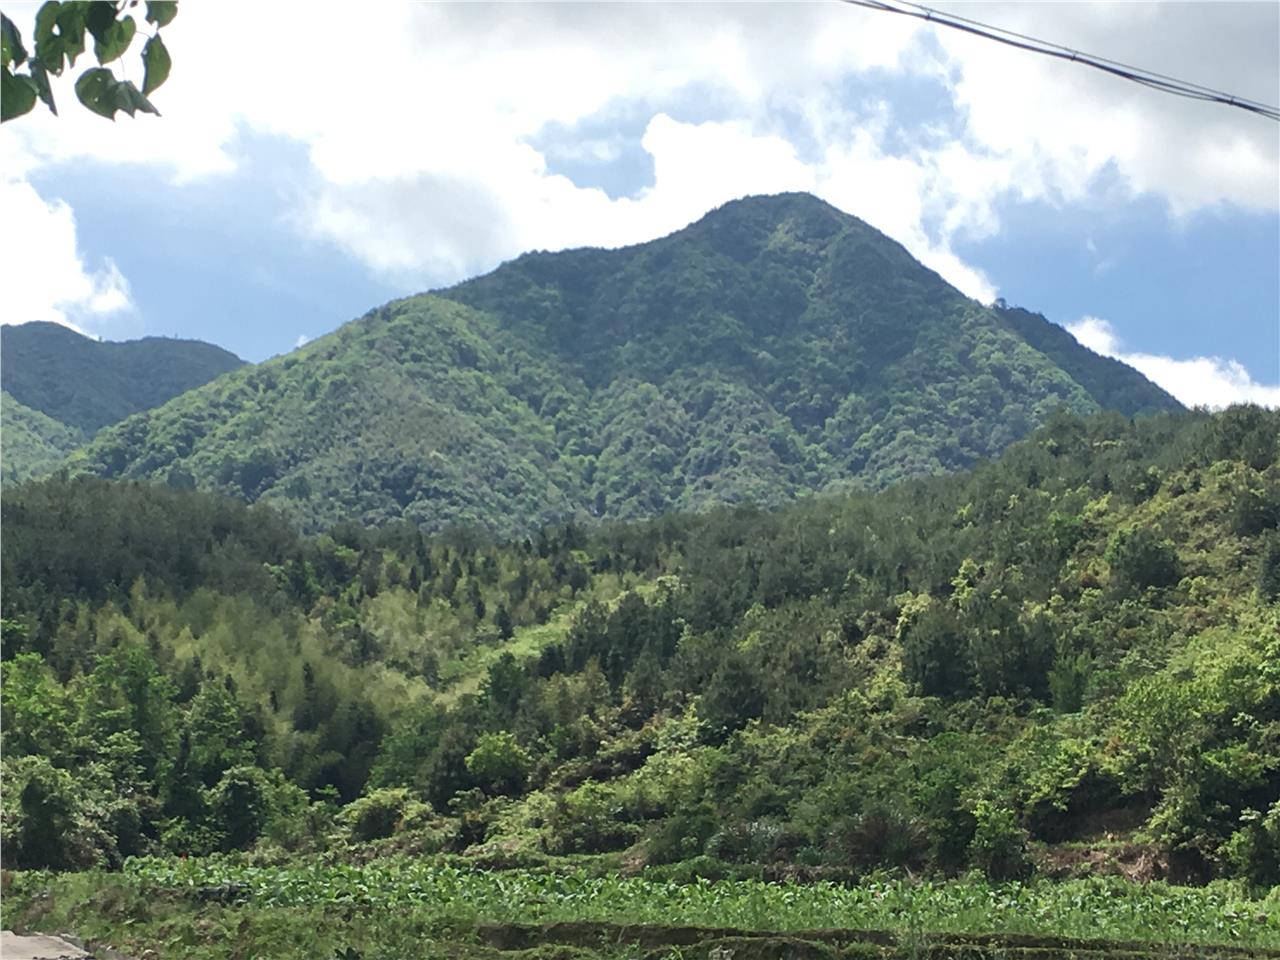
806	215
780	205
775	348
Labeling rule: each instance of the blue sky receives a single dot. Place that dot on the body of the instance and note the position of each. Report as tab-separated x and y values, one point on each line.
255	216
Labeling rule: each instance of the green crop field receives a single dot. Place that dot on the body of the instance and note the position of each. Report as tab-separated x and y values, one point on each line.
397	907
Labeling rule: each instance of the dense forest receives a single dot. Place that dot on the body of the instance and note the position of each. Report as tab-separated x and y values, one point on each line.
774	349
34	444
1064	661
86	384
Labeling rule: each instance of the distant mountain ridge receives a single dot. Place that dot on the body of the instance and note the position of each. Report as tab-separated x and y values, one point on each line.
775	348
31	443
87	384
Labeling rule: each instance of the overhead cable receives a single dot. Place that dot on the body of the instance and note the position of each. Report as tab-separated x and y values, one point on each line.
1149	78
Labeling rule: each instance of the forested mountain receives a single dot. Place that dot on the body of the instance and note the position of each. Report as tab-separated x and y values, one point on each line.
1066	660
31	443
87	384
773	349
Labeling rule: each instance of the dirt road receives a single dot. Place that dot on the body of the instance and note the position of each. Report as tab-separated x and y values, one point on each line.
14	947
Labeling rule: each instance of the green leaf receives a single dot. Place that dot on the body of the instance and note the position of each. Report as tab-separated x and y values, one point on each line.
115	41
48	44
161	12
129	99
40	76
11	43
99	17
46	19
96	89
17	94
155	58
68	41
71	29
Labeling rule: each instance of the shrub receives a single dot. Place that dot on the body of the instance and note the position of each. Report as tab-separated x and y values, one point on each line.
380	814
752	841
881	836
1254	850
1069	678
588	820
1269	568
999	847
499	763
682	835
46	826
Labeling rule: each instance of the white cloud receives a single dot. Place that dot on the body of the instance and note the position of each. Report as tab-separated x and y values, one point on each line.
1212	382
302	341
425	165
426	171
1061	124
42	273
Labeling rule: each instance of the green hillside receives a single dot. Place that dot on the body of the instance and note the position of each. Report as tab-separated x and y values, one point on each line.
1023	711
774	349
1114	385
87	384
31	444
1064	663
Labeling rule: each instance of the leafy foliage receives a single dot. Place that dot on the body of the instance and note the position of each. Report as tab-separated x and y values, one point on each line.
1053	653
62	28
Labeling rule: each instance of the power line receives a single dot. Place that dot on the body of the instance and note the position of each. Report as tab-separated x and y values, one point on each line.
1149	78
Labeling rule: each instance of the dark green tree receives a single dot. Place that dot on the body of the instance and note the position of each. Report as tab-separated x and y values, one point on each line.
1140	558
238	806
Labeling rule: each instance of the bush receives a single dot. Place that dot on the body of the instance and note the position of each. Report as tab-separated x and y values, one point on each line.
46	827
881	836
682	835
702	868
292	819
1254	511
499	763
1269	568
380	814
999	847
752	841
588	820
1254	850
1069	678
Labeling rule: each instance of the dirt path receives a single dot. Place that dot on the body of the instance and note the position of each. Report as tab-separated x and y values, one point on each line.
14	947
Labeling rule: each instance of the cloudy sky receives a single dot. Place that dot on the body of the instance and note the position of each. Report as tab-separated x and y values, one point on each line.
313	161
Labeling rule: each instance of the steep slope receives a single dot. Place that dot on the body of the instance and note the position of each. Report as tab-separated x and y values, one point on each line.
775	348
409	412
31	444
1114	385
87	384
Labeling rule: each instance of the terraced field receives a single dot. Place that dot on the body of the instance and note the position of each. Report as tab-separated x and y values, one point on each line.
401	908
